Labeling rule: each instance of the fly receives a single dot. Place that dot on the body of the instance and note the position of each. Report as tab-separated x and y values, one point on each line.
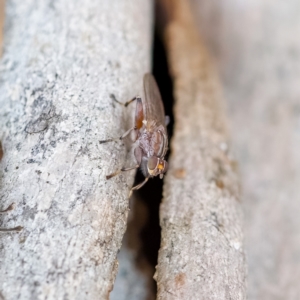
150	134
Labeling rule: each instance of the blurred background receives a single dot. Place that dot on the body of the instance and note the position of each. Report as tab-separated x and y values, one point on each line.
256	48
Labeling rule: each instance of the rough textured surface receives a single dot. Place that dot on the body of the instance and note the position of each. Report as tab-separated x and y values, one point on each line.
134	279
57	73
131	282
201	255
1	23
257	47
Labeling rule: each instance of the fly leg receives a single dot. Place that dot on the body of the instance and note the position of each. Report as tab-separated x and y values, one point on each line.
18	228
122	170
138	157
118	138
137	187
138	152
138	121
112	96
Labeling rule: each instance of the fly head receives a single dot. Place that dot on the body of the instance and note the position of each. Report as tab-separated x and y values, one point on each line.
157	166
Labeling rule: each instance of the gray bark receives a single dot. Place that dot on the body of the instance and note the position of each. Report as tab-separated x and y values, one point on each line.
1	23
258	53
134	280
201	254
61	62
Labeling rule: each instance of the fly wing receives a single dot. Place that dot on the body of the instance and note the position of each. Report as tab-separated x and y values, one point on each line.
154	107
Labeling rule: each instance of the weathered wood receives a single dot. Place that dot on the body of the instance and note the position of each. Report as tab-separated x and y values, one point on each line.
134	279
201	254
61	62
258	53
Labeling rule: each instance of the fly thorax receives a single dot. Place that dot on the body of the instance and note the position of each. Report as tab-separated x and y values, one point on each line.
156	143
144	142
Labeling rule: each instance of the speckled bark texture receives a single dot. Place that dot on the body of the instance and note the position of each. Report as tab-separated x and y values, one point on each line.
201	254
257	47
61	62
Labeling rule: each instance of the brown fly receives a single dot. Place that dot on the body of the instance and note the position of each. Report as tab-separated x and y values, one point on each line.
150	134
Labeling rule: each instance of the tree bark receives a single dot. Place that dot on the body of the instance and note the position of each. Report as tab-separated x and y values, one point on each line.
1	24
134	280
62	61
201	254
258	53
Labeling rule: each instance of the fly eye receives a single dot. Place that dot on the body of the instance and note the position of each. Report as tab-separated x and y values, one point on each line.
152	163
